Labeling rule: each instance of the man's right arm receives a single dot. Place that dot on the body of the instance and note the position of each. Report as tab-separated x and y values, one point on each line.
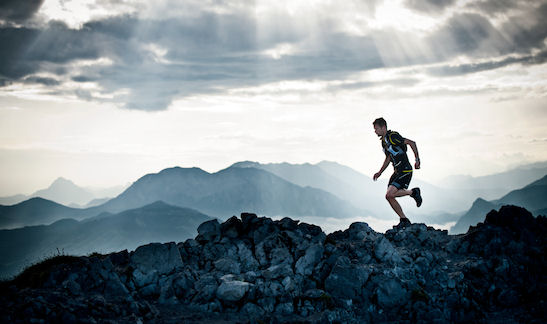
384	166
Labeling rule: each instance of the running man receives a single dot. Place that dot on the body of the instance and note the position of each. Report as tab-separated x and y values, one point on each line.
394	146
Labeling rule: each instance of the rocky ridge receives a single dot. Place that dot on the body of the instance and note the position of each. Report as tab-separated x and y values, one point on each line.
254	269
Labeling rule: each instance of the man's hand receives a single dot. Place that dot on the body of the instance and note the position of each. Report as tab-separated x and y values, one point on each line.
376	175
417	164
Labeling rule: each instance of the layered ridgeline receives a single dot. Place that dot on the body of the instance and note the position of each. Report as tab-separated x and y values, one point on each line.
64	191
262	271
231	191
533	197
443	203
157	222
221	194
282	189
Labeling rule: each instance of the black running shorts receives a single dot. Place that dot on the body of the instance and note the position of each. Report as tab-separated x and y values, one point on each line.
400	180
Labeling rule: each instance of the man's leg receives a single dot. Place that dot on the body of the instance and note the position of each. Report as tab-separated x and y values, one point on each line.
403	192
391	194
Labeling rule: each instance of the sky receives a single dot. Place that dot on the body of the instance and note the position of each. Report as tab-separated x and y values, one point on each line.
103	92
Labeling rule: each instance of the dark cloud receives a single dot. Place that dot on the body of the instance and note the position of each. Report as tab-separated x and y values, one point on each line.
430	6
42	80
18	10
470	34
527	31
474	35
404	82
495	7
150	63
11	65
454	70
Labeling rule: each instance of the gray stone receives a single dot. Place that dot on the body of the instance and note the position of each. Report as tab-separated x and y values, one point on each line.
246	258
307	262
232	290
385	252
208	231
252	310
250	276
156	257
346	280
289	284
273	289
284	309
277	271
314	293
231	228
390	293
227	265
267	303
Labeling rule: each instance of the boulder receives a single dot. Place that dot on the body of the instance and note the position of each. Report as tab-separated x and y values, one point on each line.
232	290
306	263
385	252
346	280
391	293
208	232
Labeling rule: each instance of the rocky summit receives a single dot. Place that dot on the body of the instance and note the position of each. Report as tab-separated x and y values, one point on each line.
253	269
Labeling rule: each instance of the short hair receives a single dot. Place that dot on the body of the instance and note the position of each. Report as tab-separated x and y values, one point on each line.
380	122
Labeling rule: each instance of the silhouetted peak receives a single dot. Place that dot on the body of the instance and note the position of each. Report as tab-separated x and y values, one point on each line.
62	182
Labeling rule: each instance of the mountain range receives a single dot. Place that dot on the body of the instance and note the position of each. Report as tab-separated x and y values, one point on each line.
65	192
323	189
157	222
230	192
532	197
326	189
221	194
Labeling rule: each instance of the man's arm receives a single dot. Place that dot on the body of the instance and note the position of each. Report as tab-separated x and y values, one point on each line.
384	166
415	150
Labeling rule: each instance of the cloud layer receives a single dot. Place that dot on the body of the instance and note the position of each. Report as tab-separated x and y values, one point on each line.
145	59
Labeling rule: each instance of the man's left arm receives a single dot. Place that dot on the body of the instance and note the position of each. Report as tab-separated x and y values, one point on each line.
415	150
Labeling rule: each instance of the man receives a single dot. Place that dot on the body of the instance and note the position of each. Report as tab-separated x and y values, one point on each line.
394	146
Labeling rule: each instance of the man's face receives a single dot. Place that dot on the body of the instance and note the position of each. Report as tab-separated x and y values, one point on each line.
380	130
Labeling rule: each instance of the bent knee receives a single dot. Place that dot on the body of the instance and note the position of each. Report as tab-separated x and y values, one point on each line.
389	196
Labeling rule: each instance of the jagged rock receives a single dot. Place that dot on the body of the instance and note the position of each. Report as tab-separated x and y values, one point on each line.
153	260
285	308
277	271
228	265
208	231
346	279
232	290
385	252
253	311
306	263
231	228
247	260
390	293
286	271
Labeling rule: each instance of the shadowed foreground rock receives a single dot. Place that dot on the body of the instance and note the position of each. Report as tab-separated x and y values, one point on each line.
258	270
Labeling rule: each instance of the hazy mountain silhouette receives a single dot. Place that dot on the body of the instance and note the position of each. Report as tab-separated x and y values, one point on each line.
12	200
317	176
96	202
230	191
65	192
532	197
496	185
359	189
157	222
39	211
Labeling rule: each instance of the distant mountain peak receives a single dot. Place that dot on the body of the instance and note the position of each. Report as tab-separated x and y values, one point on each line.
178	169
62	182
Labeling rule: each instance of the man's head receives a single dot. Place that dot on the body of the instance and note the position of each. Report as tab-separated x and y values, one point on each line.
380	126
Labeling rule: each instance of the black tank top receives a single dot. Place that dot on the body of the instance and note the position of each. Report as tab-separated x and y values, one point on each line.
394	146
